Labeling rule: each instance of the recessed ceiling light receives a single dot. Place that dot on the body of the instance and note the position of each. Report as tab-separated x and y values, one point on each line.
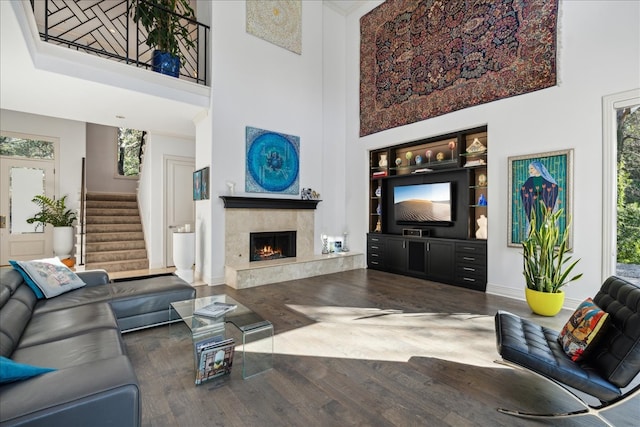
119	117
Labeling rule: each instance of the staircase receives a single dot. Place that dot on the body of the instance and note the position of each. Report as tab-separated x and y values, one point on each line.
113	233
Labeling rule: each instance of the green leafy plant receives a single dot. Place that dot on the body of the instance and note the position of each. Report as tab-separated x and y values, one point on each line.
164	22
52	212
546	264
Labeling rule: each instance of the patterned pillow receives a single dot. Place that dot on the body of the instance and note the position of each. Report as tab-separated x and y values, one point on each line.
581	331
50	276
11	371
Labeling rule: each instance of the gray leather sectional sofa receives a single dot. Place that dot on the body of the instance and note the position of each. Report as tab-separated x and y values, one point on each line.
79	334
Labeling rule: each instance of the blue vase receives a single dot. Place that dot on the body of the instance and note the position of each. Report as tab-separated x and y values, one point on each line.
166	63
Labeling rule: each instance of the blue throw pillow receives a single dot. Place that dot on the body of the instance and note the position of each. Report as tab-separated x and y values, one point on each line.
51	276
11	371
36	290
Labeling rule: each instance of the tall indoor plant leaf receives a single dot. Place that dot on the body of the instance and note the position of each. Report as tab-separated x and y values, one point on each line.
52	211
546	265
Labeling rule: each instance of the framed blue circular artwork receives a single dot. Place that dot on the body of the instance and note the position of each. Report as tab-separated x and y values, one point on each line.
273	162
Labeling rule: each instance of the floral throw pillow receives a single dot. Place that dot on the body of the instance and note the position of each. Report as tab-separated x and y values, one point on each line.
50	276
581	331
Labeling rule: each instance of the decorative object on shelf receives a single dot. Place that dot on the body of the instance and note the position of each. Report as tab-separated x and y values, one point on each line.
482	200
525	50
482	180
429	155
383	161
546	265
337	246
379	174
325	243
378	191
398	161
409	156
201	184
440	156
422	170
273	162
231	188
452	147
474	162
418	159
345	248
379	209
378	226
545	177
481	232
476	147
167	31
277	21
305	194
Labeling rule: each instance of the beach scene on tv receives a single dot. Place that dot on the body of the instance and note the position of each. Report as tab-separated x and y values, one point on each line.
422	202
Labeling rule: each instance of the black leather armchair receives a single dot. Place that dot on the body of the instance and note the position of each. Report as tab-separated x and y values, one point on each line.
610	373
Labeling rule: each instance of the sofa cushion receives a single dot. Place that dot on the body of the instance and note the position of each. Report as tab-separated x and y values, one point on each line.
91	346
27	279
14	317
11	371
49	275
82	296
67	322
580	333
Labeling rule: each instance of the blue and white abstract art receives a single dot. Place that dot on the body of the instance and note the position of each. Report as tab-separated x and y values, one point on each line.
273	162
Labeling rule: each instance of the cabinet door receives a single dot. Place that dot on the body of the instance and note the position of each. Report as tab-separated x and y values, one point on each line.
396	255
416	257
440	260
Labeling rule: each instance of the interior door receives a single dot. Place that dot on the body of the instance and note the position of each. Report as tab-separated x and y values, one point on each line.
179	207
20	180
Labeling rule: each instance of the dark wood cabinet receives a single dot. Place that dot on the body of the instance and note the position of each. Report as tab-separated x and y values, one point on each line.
471	264
433	259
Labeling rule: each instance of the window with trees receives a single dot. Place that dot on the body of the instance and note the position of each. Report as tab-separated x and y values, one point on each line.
628	185
130	146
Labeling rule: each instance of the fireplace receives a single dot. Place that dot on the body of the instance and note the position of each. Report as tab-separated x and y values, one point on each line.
272	245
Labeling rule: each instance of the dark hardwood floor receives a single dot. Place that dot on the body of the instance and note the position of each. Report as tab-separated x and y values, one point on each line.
347	391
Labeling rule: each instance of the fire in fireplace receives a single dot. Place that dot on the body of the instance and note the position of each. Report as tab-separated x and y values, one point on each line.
272	245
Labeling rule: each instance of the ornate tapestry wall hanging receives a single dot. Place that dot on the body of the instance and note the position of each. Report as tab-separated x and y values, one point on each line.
422	59
273	162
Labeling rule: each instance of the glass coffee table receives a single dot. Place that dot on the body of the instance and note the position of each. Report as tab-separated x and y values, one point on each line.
257	333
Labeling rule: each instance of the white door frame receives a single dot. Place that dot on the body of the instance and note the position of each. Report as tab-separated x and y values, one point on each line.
610	104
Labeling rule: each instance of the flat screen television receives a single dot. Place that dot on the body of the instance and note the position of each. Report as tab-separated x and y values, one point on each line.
423	203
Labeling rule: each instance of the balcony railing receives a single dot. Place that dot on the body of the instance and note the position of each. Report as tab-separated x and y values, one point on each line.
106	29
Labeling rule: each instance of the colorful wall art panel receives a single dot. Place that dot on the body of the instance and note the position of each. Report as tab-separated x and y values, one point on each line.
273	162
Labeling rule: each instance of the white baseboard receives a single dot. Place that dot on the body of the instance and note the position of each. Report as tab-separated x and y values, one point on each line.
518	294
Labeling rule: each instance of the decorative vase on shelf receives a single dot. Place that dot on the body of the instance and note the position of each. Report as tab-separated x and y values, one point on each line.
383	161
378	191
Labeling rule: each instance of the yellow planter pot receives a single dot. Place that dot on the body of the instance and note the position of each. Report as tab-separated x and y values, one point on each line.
544	303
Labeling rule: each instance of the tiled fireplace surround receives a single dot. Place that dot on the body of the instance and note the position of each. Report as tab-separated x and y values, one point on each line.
240	273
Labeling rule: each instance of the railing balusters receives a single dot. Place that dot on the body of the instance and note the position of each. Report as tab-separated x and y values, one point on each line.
89	30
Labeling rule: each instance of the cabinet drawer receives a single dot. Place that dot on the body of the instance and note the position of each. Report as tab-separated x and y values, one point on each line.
471	271
473	282
471	248
474	259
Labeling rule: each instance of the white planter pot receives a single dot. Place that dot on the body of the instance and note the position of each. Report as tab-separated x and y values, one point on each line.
62	242
184	255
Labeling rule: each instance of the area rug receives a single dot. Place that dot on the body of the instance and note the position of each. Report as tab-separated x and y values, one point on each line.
422	59
390	335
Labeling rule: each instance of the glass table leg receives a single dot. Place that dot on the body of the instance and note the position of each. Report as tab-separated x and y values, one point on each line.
257	349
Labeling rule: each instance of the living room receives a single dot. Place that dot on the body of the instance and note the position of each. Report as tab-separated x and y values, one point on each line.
315	96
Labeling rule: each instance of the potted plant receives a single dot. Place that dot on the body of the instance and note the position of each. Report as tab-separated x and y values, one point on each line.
163	21
55	212
546	265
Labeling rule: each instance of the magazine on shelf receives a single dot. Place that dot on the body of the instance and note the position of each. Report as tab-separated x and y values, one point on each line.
215	309
214	358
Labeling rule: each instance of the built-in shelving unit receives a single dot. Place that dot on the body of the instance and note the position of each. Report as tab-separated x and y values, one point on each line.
449	253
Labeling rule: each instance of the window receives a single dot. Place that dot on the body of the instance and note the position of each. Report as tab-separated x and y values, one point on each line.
129	148
24	147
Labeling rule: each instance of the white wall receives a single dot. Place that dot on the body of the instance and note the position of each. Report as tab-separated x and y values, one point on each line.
591	64
72	136
258	84
102	162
